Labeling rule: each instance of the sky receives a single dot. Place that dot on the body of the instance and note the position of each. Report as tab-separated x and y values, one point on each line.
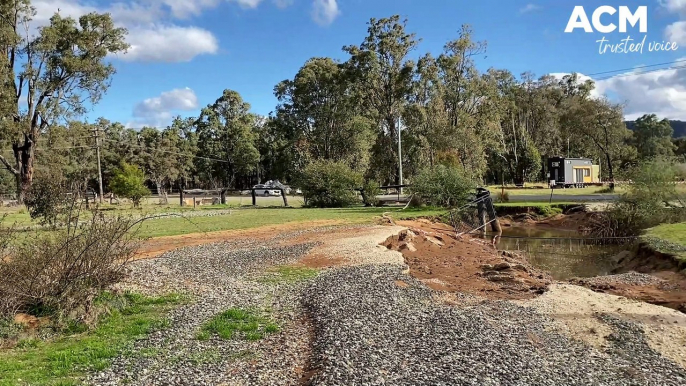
184	53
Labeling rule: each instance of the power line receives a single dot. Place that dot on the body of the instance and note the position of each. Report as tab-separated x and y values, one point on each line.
638	67
167	151
641	73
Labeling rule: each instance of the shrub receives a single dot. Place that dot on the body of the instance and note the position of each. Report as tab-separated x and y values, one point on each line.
329	184
443	186
652	199
60	272
370	191
549	211
128	181
502	196
46	200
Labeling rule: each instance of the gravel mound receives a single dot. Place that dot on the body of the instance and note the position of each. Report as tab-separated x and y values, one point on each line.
630	278
372	331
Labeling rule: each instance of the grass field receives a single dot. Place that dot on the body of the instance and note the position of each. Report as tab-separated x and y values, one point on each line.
255	217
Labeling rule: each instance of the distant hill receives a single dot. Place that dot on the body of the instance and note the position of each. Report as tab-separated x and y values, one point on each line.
678	126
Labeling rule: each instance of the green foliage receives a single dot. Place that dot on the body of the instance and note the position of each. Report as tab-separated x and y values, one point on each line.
128	181
653	137
443	186
329	184
226	130
548	210
371	189
47	200
653	198
66	359
60	71
237	323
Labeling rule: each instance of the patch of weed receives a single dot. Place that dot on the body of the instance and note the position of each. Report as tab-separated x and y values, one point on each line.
237	323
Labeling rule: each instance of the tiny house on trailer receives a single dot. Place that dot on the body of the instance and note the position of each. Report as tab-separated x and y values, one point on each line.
572	172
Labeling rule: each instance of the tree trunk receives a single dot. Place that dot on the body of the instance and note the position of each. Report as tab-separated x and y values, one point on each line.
24	156
610	173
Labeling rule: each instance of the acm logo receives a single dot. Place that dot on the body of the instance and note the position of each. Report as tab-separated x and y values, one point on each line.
579	19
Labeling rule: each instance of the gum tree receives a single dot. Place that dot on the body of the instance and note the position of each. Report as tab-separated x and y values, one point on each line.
46	75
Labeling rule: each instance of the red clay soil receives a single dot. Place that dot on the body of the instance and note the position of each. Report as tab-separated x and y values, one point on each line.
671	293
466	265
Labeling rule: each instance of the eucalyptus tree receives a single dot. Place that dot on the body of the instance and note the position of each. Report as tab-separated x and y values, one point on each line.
55	73
383	75
325	117
227	141
653	137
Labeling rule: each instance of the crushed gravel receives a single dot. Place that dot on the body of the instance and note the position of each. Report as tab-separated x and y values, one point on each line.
365	324
371	331
630	278
218	277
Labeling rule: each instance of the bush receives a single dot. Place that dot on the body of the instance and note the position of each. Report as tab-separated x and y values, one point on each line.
129	182
653	198
502	196
47	199
443	186
56	273
329	184
370	191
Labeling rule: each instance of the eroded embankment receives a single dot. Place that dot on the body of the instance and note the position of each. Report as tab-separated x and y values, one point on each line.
465	264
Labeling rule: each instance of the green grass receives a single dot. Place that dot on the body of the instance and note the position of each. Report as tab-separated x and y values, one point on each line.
670	239
237	323
66	359
288	274
253	217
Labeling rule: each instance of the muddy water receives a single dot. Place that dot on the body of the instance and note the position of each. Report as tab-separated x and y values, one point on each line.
565	254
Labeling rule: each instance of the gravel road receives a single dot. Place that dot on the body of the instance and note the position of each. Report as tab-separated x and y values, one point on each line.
366	323
218	277
372	331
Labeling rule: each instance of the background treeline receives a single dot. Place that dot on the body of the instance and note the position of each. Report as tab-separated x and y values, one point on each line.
492	126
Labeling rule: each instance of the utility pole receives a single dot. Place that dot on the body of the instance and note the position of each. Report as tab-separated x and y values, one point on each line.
400	157
96	132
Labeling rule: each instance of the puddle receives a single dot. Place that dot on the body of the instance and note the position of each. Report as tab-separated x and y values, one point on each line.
565	254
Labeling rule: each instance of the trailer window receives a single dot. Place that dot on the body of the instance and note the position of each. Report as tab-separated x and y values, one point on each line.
587	172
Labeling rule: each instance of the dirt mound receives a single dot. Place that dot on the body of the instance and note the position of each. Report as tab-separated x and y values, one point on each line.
464	264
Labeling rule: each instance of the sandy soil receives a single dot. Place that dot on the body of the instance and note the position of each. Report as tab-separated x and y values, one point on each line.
575	310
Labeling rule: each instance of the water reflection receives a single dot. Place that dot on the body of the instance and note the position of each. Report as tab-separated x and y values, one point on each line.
565	254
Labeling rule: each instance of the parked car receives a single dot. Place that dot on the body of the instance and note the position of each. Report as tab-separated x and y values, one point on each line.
266	190
195	192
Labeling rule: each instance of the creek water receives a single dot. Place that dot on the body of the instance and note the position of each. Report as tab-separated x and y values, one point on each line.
565	254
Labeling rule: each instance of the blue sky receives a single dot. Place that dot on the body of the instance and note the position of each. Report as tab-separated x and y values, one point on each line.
184	53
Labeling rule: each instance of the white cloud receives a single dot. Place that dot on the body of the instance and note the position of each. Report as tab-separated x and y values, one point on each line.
151	34
324	12
158	111
247	3
283	3
657	92
169	44
529	8
673	6
676	32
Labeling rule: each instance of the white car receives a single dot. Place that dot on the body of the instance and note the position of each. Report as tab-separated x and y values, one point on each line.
264	190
